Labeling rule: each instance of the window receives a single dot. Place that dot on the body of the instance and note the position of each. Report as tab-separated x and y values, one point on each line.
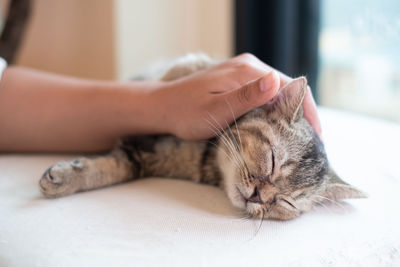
359	52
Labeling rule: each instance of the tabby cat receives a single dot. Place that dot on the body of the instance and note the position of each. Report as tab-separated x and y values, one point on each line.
270	162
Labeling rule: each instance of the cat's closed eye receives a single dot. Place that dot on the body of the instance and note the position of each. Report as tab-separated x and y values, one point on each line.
288	164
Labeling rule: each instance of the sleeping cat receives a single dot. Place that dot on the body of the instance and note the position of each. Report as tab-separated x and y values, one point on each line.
270	162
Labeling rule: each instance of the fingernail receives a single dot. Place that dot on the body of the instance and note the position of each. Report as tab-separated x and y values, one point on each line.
268	81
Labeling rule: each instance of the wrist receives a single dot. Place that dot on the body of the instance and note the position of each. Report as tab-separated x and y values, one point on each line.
138	108
160	108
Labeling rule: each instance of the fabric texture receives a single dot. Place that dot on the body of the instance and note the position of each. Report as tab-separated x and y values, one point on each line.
164	222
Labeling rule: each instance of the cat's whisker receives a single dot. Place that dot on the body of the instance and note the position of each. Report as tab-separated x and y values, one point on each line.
224	134
239	150
232	156
245	217
228	145
262	219
259	226
233	136
219	133
239	153
220	128
321	204
332	201
214	129
238	133
234	120
228	156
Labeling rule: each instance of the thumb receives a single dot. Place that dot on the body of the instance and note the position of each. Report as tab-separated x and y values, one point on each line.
254	94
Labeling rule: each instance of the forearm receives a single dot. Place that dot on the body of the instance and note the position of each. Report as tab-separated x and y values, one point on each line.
46	112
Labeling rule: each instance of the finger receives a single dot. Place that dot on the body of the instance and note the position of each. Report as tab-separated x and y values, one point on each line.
257	63
310	112
309	106
253	94
284	79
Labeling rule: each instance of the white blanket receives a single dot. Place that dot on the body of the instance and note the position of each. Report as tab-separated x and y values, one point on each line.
163	222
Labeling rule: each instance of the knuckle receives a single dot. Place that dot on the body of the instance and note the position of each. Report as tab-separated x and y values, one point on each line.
247	56
246	62
244	94
244	67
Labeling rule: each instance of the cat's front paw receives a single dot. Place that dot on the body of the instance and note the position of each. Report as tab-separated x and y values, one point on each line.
62	179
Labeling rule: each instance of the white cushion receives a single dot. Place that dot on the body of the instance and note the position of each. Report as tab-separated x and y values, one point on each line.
163	222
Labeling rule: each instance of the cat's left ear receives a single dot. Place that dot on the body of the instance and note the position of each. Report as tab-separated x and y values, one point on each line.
336	188
288	101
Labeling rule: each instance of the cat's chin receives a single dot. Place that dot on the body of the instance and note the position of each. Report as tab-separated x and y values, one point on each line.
283	215
275	212
255	210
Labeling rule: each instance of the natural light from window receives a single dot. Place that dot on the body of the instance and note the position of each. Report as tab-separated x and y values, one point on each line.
360	56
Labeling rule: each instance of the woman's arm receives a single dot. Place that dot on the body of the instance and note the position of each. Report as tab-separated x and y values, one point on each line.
46	112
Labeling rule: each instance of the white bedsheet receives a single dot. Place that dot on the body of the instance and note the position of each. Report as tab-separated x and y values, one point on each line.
162	222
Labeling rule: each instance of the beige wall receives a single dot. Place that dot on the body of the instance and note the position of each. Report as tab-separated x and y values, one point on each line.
72	37
152	30
113	39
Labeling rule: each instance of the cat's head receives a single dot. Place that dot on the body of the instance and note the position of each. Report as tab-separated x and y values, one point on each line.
274	164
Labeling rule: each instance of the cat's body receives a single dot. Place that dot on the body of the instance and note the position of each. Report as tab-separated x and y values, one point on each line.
270	162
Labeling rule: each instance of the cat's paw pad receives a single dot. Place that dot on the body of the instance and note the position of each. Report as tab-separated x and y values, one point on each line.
61	179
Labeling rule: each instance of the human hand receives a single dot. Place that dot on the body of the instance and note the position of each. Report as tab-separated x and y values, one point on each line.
220	94
309	106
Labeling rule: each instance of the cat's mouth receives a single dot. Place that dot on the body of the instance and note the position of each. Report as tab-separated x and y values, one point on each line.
253	198
280	207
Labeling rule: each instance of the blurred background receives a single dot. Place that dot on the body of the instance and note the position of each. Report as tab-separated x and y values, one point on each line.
349	50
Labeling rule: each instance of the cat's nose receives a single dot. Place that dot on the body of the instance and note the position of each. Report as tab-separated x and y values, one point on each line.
262	194
255	197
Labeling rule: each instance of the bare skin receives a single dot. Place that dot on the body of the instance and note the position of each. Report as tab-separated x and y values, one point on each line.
43	112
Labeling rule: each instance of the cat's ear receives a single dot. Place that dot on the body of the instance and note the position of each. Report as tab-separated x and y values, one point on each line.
336	188
288	101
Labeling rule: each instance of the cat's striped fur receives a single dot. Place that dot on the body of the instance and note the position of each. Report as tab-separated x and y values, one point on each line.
270	162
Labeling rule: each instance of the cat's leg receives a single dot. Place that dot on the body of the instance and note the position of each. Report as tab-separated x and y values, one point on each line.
65	178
